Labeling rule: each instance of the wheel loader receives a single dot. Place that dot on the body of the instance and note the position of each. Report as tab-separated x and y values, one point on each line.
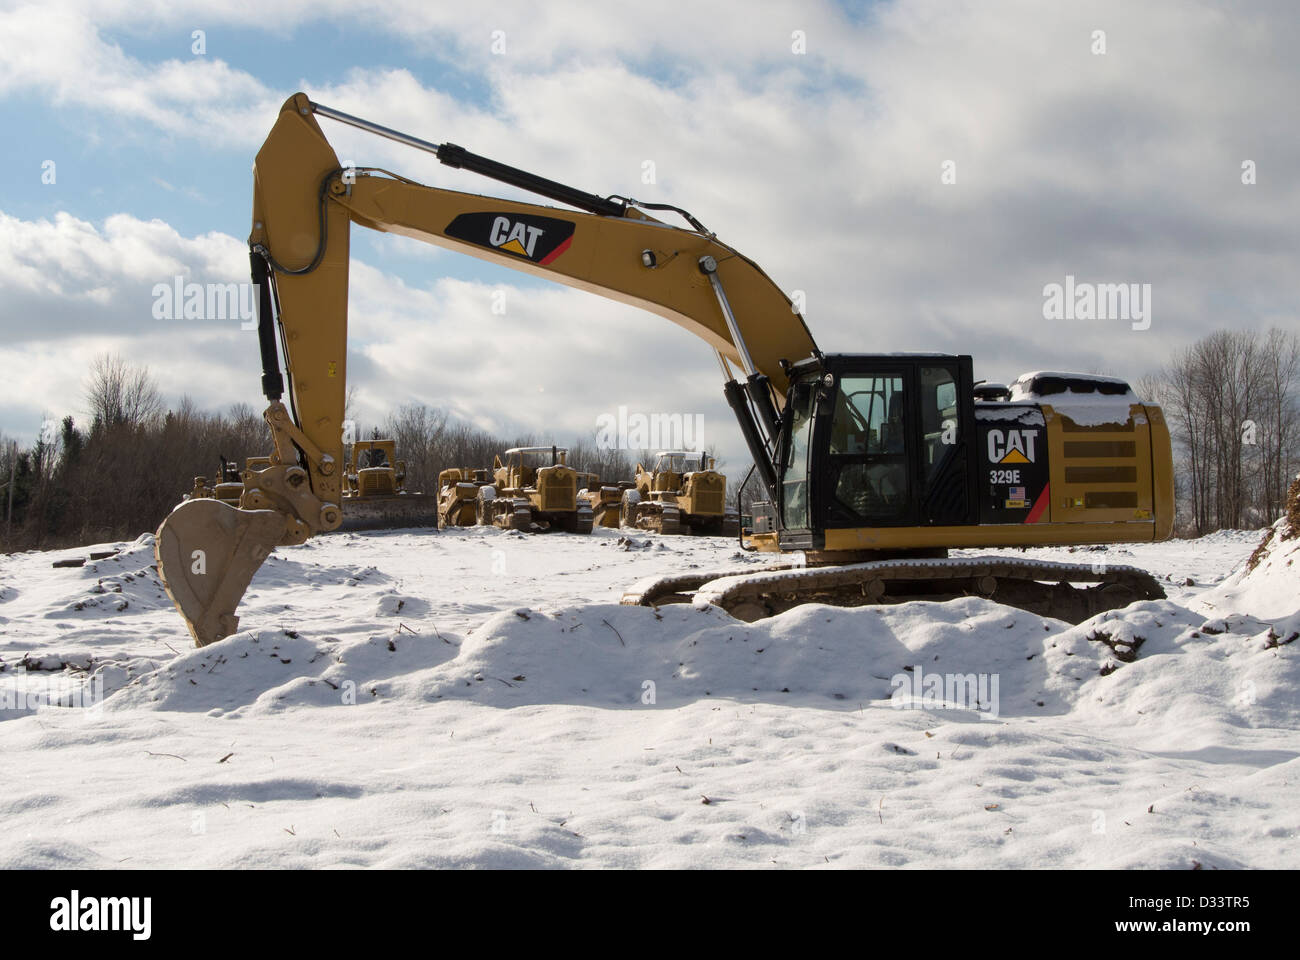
533	490
872	465
680	493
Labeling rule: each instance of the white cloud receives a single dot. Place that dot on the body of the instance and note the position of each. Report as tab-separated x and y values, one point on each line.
72	290
57	53
824	168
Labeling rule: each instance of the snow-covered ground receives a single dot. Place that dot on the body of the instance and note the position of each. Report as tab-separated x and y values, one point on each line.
478	698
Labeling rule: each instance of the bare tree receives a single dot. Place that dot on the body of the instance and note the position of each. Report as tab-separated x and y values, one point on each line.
417	430
1280	367
119	393
1231	403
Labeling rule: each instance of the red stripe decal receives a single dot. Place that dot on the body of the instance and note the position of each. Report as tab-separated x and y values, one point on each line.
556	252
1040	505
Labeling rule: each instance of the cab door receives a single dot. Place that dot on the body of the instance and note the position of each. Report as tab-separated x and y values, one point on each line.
945	433
869	480
896	440
797	467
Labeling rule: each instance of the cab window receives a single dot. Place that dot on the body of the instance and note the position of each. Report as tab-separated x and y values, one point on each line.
868	446
939	419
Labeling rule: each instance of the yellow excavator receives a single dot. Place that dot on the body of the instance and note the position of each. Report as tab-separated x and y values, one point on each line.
873	465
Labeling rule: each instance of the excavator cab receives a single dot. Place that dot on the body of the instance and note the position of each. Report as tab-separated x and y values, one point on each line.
896	453
875	442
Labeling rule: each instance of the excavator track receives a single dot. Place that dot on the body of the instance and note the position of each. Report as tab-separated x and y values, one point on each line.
1043	587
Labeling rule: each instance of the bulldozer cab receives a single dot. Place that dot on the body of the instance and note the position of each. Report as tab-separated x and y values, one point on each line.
522	463
369	454
670	470
373	469
678	461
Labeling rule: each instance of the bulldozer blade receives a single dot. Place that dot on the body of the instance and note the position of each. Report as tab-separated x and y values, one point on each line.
207	553
389	513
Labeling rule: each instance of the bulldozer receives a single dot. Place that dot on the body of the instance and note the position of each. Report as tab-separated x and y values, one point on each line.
533	490
374	490
680	493
228	488
373	470
604	499
200	490
458	489
872	466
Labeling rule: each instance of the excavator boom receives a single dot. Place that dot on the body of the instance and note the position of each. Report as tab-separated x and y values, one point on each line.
304	203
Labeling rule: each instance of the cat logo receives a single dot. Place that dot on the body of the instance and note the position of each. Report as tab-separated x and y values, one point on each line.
517	238
538	239
1015	446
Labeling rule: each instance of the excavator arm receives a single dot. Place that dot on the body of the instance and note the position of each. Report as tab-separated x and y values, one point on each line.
304	203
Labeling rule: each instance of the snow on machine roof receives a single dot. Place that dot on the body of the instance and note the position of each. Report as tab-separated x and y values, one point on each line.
1086	398
1047	383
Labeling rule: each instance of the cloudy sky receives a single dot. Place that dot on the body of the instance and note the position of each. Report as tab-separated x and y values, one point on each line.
920	169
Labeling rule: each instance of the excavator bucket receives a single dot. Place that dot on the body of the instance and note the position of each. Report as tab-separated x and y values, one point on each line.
207	553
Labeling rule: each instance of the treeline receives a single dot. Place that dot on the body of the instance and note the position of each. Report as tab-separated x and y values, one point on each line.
1231	400
124	472
119	476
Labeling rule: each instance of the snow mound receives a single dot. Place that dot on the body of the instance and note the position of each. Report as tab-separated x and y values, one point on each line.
814	655
270	671
1168	670
125	583
1268	584
222	677
1117	668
